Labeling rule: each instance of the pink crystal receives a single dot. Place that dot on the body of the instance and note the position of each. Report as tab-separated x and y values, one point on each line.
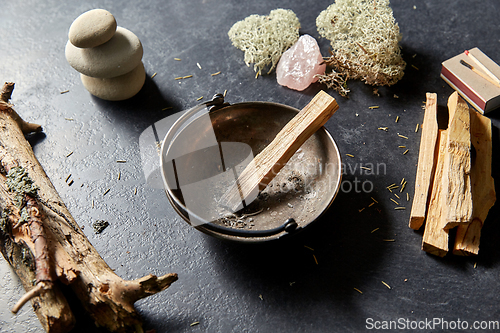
299	64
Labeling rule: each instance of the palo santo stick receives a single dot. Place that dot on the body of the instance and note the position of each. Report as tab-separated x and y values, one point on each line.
426	163
435	239
266	165
483	186
456	173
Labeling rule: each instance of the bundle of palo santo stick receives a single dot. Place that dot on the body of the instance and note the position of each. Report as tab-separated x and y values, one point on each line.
452	189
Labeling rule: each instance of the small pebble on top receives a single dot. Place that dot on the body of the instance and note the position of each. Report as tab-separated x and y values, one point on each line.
92	28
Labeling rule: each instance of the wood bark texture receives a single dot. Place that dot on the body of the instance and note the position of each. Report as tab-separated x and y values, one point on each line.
457	165
483	186
45	245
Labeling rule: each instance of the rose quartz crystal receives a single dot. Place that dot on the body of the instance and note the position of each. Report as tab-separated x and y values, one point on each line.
299	64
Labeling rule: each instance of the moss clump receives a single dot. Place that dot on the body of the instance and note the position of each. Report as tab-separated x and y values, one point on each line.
364	37
4	224
19	182
265	38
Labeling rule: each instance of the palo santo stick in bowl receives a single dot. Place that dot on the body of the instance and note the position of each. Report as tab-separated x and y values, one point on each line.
266	165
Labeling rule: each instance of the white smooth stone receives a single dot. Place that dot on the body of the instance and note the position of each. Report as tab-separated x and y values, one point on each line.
116	88
92	28
118	56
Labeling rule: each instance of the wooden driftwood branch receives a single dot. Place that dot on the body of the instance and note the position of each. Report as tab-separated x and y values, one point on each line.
45	246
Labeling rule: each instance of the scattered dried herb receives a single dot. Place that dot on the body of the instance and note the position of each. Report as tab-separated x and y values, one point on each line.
385	284
99	226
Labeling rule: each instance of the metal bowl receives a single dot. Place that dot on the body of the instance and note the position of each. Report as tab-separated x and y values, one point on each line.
192	152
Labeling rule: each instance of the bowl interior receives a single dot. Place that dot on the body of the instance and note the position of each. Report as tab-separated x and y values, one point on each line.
302	190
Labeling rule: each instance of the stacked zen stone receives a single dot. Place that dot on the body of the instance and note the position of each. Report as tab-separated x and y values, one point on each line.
108	57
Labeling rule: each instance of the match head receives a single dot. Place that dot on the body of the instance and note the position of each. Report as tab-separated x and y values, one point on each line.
466	52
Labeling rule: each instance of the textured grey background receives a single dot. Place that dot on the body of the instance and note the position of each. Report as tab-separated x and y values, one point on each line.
229	287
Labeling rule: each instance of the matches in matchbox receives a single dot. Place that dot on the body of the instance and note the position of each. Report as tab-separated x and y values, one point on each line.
476	78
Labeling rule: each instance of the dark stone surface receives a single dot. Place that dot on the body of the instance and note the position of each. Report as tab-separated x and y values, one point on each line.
228	287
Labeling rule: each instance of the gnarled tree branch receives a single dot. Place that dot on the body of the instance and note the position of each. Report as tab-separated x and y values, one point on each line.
38	223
